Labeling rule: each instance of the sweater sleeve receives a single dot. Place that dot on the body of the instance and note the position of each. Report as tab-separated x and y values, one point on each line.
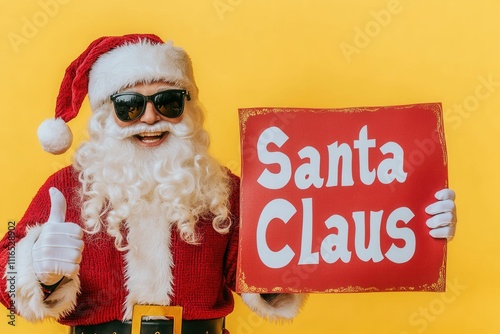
232	248
20	291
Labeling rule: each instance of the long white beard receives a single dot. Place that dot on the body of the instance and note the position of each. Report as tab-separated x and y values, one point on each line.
150	190
177	180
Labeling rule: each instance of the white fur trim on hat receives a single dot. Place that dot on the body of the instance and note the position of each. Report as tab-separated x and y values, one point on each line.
55	135
130	64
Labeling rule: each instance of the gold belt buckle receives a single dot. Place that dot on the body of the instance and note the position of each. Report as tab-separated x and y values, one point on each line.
173	312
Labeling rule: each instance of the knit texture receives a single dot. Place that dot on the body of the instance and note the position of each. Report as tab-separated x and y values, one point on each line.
74	86
204	274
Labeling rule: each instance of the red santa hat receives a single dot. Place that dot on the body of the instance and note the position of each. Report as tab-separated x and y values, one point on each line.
108	65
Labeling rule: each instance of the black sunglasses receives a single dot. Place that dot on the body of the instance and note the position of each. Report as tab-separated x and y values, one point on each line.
130	106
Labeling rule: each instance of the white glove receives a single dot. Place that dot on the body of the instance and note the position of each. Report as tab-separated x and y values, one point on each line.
444	217
58	250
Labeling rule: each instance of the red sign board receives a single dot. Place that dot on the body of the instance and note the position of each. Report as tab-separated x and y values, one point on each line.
332	200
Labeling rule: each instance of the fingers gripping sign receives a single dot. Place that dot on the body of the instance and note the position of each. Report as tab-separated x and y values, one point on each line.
444	215
58	250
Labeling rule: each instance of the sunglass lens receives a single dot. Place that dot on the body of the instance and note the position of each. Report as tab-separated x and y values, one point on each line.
170	103
128	106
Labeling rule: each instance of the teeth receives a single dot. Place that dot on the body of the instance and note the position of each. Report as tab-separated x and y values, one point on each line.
150	134
144	140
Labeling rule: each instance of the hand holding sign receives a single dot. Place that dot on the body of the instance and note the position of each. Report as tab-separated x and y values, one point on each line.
444	219
333	200
58	250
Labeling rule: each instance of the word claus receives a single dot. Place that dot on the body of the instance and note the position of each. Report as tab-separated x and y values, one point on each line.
335	246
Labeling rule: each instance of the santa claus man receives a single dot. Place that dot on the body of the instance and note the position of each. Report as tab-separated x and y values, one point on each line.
144	215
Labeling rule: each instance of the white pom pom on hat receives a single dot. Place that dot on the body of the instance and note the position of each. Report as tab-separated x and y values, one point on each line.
109	64
55	135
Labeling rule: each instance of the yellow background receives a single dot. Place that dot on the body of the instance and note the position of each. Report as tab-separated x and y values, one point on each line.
297	53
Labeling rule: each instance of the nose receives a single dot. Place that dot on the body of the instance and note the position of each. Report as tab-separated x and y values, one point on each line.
150	115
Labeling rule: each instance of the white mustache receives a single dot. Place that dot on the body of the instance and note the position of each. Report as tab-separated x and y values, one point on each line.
135	129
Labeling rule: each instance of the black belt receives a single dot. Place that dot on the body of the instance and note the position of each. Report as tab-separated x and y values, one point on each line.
210	326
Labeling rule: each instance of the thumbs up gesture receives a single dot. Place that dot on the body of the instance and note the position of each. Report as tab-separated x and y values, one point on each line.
58	250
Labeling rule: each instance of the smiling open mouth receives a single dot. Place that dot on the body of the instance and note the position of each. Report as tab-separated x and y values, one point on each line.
150	137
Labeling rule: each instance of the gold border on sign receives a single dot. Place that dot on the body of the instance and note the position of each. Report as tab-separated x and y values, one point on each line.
435	107
438	286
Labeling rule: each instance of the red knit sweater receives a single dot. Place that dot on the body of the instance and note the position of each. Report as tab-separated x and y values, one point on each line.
204	274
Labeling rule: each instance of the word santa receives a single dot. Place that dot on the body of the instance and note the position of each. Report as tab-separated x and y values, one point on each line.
335	246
